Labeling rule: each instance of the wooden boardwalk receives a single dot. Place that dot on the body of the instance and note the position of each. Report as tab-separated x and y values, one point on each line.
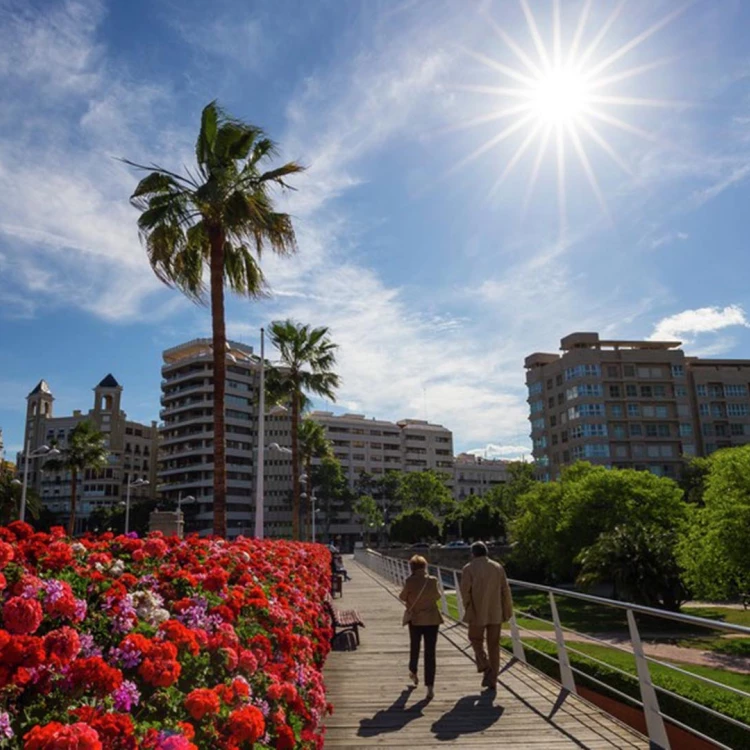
373	707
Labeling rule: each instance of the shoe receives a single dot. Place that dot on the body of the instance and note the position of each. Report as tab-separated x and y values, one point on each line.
430	693
413	677
487	680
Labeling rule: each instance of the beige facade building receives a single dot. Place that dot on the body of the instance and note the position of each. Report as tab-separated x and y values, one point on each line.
474	475
132	450
633	404
186	451
376	446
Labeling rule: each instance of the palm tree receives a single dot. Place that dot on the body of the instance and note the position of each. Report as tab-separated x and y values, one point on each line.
217	219
312	444
86	449
10	497
307	359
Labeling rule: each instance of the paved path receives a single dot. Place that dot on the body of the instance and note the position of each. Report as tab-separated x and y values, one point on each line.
667	651
373	707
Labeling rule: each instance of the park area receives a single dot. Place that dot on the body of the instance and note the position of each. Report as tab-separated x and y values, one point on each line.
119	643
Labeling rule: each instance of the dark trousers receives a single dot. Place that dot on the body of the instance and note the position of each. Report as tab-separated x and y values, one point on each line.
430	634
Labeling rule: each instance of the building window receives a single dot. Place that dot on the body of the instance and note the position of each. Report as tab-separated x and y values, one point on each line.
701	390
615	410
614	391
707	430
737	410
537	406
582	371
686	429
721	430
663	430
703	410
618	431
535	388
660	391
636	430
735	391
621	451
538	424
559	380
549	384
551	401
688	449
646	392
710	447
586	410
560	398
737	429
588	430
678	371
553	421
629	371
612	371
633	410
631	391
648	411
717	410
651	430
661	411
586	390
716	391
680	391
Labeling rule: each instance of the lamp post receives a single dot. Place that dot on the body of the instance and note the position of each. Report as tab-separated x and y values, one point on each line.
137	483
313	509
261	460
42	450
181	500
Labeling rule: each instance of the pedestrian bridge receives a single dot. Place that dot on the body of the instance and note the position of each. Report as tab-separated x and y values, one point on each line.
373	707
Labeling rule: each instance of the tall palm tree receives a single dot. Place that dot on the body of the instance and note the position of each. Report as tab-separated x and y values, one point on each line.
217	219
313	443
86	449
306	367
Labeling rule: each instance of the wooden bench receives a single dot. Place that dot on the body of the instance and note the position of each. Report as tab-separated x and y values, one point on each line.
337	584
343	620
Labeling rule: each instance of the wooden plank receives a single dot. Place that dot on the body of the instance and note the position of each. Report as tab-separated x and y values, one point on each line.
375	707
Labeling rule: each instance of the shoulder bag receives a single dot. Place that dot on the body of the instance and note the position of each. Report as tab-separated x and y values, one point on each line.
406	619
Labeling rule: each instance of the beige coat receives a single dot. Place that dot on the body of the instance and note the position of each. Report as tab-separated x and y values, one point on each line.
424	608
485	593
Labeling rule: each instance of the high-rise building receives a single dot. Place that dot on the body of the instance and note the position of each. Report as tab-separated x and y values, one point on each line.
132	450
186	451
633	404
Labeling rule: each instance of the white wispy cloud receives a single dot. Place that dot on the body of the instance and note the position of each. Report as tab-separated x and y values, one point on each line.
686	325
668	239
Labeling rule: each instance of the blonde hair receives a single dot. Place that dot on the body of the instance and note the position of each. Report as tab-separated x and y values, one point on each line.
416	563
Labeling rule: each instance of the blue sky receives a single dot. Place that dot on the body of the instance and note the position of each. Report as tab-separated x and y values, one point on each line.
435	276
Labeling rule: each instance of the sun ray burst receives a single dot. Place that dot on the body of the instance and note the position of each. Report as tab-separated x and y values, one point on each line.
564	88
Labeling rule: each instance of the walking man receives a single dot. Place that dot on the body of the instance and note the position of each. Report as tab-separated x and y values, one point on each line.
487	605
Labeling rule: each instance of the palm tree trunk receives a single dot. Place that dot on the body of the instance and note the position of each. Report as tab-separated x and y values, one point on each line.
295	465
73	500
216	237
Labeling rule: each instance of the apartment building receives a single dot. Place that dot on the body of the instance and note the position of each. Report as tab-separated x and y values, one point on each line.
186	452
632	404
376	446
132	452
474	475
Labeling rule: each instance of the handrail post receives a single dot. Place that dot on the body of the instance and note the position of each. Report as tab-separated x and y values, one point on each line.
404	572
443	600
515	636
459	600
566	673
657	732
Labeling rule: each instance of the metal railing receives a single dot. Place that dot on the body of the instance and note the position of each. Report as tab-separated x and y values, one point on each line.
397	570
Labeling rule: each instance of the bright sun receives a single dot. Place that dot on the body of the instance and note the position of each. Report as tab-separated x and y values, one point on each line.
561	94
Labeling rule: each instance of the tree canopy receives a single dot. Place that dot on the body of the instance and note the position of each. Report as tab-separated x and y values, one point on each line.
415	525
714	551
424	489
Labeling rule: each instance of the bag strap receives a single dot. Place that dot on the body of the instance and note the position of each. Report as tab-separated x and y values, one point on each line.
421	591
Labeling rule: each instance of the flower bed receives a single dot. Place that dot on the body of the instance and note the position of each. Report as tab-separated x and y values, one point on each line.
118	643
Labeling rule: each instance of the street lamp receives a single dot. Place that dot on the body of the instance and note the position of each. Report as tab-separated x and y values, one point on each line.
181	500
42	450
313	509
137	483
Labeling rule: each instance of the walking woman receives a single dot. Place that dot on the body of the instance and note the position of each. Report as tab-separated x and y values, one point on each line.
421	594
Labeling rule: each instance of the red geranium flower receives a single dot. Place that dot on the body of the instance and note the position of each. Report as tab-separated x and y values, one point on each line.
22	616
247	724
202	701
56	736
